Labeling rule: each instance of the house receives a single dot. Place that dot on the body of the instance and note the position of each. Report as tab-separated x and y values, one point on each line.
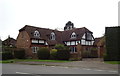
9	42
31	38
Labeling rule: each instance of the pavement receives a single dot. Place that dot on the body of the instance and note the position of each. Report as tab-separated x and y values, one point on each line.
85	63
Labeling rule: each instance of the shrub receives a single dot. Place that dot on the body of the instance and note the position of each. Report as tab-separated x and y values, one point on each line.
63	52
43	53
53	54
19	53
59	46
7	55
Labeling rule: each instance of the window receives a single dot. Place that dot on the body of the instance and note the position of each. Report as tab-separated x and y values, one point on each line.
68	43
82	42
73	35
36	34
88	37
73	49
34	49
41	41
34	41
52	36
73	42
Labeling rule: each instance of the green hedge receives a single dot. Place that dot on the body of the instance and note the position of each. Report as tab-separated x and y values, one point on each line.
53	54
63	52
112	35
43	53
19	53
7	55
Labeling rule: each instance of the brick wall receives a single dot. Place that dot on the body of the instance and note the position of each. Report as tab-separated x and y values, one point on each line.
23	41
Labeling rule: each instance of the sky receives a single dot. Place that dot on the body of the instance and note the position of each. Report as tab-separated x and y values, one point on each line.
92	14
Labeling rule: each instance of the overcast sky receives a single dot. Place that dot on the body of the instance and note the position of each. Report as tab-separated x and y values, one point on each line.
92	14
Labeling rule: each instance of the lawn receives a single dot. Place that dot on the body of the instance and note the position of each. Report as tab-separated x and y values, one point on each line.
33	60
112	62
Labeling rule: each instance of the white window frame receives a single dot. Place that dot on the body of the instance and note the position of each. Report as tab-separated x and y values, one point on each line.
36	34
34	41
73	42
52	36
74	50
73	35
34	49
41	41
68	43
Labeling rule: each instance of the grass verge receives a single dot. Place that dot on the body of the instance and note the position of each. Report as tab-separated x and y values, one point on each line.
112	62
31	60
6	61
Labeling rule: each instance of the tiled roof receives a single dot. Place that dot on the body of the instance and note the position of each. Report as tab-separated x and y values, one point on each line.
60	35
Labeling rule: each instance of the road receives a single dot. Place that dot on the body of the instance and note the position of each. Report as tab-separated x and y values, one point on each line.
42	69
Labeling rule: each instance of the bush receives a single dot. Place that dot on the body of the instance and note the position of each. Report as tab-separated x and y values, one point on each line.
112	35
59	46
43	53
7	55
19	53
63	52
53	54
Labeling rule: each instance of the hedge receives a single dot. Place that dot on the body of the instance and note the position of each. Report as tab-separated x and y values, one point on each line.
43	53
112	35
7	55
19	53
63	52
53	54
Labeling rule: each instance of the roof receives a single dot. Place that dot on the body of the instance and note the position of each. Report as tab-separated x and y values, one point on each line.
44	34
60	35
79	32
9	41
99	41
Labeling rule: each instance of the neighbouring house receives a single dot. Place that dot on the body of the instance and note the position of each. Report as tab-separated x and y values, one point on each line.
9	42
31	38
100	44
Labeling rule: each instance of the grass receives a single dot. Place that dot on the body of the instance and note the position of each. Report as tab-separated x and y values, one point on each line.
112	62
33	60
6	61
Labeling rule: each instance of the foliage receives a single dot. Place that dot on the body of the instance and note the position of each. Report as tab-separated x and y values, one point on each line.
59	46
7	53
63	52
53	54
112	35
19	53
43	53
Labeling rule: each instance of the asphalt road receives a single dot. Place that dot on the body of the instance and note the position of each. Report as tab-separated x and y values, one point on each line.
41	69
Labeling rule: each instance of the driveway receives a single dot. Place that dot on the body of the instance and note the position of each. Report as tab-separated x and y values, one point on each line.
90	64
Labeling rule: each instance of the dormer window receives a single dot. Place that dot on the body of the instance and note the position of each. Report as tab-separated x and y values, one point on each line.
36	34
52	36
73	35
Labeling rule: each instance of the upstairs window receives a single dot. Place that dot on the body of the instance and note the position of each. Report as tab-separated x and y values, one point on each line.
73	35
88	36
36	34
52	36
